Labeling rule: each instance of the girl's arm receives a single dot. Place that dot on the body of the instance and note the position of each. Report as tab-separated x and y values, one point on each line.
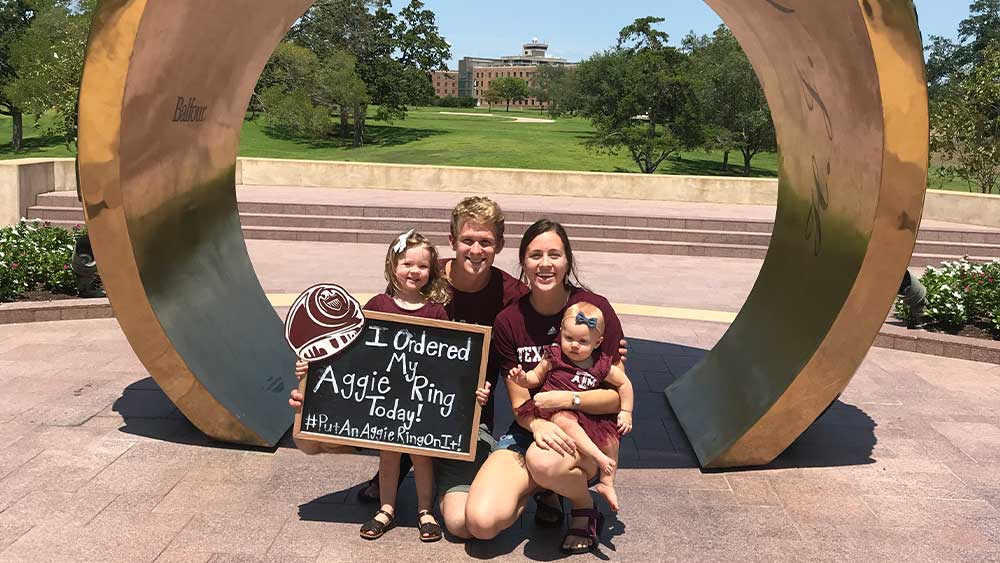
619	379
531	378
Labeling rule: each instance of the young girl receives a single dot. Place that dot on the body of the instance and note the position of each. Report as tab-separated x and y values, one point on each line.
569	365
416	287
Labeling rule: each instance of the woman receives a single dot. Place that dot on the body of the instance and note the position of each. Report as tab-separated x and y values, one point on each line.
536	454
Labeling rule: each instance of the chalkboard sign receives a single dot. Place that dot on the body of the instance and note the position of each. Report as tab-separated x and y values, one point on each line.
406	384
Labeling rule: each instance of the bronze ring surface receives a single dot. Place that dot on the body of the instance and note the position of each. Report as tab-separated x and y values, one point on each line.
162	103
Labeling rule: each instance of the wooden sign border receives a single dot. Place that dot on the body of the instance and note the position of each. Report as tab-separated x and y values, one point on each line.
487	333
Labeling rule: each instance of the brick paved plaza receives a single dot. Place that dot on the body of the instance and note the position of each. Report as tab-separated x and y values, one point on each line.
97	465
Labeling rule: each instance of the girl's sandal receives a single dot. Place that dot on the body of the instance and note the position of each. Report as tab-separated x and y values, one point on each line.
547	515
429	531
374	529
595	523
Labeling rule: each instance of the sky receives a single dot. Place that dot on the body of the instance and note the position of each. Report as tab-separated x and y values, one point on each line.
577	29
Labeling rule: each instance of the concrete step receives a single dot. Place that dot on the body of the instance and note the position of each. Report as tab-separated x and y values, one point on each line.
514	217
630	246
345	224
517	219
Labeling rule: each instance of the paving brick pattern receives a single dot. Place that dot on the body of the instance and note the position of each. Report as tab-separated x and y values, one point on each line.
97	465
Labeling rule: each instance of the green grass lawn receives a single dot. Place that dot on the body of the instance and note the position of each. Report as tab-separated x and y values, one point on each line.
428	136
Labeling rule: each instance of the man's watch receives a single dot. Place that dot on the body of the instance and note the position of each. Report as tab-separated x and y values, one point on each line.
576	401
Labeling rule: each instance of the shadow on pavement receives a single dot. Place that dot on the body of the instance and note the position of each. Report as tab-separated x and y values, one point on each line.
148	412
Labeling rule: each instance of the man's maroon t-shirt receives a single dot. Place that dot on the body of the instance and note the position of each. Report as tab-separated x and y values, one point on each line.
521	333
384	304
482	308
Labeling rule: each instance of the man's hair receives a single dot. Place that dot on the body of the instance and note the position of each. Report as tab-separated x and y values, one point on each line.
481	211
589	310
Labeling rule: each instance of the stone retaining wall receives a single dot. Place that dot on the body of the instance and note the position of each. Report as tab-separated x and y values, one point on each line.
23	179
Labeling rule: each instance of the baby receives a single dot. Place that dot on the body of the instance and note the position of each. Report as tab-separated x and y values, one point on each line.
569	365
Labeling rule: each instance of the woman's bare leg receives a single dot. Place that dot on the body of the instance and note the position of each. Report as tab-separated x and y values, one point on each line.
567	476
498	495
571	426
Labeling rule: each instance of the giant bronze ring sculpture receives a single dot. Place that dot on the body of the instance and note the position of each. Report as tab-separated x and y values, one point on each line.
164	91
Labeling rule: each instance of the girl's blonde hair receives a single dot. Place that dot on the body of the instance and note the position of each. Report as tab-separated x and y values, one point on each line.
436	289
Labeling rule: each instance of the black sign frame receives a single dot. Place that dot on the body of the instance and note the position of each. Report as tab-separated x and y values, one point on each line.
486	333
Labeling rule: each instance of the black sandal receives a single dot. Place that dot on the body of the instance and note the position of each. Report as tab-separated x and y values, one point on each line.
429	531
595	524
546	515
374	529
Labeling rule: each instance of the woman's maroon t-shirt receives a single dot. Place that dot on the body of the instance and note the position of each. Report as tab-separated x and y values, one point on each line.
382	303
521	333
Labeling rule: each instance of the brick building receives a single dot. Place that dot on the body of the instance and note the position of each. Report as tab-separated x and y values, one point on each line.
445	83
475	74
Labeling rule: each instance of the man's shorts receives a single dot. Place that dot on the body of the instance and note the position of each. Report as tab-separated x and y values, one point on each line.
455	476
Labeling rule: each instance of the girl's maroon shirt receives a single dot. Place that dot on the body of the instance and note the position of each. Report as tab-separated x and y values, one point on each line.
520	333
382	303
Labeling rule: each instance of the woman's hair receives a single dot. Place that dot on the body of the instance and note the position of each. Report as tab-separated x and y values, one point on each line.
481	211
542	226
589	311
436	289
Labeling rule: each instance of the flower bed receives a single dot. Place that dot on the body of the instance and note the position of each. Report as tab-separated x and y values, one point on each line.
962	298
35	256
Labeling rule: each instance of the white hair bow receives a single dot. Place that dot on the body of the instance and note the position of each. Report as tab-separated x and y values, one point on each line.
401	242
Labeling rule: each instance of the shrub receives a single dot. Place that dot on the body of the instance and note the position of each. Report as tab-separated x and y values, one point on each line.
960	293
35	255
455	102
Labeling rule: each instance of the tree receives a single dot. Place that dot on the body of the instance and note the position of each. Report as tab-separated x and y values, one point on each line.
300	93
510	88
965	124
47	59
555	88
393	54
733	102
948	60
15	18
492	97
639	96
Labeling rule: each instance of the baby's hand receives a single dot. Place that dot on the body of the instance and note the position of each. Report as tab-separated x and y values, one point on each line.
483	394
518	376
301	369
624	422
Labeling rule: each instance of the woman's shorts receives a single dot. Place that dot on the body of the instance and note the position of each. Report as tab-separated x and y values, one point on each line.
517	439
455	476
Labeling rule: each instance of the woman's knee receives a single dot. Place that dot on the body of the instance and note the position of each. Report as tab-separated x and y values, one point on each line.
483	523
547	466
